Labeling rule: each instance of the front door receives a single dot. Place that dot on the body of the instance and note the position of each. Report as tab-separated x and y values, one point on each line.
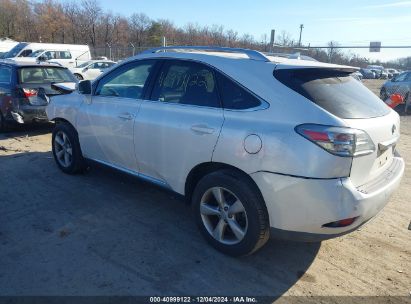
106	124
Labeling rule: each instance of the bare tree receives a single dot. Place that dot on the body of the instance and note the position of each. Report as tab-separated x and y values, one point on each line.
89	16
139	25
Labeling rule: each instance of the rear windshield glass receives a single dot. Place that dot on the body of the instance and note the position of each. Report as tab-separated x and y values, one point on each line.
44	75
334	91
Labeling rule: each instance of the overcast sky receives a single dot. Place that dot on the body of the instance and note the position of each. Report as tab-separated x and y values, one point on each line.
350	22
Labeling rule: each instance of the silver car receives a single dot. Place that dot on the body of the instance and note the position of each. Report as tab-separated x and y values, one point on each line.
400	84
259	145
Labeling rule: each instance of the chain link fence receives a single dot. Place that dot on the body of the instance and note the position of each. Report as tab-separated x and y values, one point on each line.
117	53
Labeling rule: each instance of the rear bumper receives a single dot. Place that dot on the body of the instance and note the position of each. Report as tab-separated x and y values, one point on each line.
299	207
27	114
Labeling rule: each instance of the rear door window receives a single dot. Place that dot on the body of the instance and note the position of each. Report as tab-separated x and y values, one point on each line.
335	91
234	96
186	82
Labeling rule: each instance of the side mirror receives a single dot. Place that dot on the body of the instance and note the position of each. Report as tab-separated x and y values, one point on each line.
84	87
42	58
84	70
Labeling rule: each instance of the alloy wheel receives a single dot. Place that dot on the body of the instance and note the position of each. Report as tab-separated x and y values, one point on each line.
63	149
223	215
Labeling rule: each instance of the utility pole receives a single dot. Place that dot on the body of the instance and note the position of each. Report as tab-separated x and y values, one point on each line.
272	41
301	31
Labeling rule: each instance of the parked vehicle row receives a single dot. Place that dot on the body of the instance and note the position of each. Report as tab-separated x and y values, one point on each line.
378	72
233	131
68	55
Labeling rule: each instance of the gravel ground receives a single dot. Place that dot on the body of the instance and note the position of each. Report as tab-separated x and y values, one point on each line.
105	233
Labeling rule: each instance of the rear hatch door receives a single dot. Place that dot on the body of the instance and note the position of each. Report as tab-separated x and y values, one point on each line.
334	90
384	132
35	83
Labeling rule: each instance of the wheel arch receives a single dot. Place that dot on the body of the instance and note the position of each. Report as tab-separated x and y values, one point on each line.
201	170
79	74
59	120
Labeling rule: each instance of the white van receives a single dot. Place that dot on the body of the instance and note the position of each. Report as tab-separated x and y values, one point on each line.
67	55
6	45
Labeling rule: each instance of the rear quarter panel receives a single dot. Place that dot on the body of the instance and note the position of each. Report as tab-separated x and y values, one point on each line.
283	150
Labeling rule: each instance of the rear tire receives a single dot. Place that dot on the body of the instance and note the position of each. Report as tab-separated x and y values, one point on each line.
66	149
407	103
230	213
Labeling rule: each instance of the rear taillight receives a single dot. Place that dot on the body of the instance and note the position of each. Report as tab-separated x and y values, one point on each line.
29	92
394	100
339	141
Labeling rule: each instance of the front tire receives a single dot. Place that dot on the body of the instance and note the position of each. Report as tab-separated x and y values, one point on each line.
79	77
66	149
231	213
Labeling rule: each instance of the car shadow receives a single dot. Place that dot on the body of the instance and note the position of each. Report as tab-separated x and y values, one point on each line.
107	233
27	130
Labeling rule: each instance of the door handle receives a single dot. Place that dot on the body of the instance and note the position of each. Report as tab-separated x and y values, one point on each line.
202	129
126	116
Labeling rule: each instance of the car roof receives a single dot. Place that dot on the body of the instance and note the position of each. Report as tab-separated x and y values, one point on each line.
100	60
224	55
22	63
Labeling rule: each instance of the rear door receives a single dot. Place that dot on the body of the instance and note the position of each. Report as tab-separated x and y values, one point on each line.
106	124
178	128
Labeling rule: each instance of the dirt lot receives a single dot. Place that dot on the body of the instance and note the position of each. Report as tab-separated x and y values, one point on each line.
105	233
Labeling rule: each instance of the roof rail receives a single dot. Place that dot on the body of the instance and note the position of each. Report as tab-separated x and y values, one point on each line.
252	54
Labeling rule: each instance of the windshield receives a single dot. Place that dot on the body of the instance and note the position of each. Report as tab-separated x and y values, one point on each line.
83	65
36	53
15	51
44	75
335	91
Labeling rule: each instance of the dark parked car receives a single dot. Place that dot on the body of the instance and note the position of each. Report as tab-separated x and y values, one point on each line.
367	74
400	84
25	89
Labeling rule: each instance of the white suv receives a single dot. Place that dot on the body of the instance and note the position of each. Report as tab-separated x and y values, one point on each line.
258	144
